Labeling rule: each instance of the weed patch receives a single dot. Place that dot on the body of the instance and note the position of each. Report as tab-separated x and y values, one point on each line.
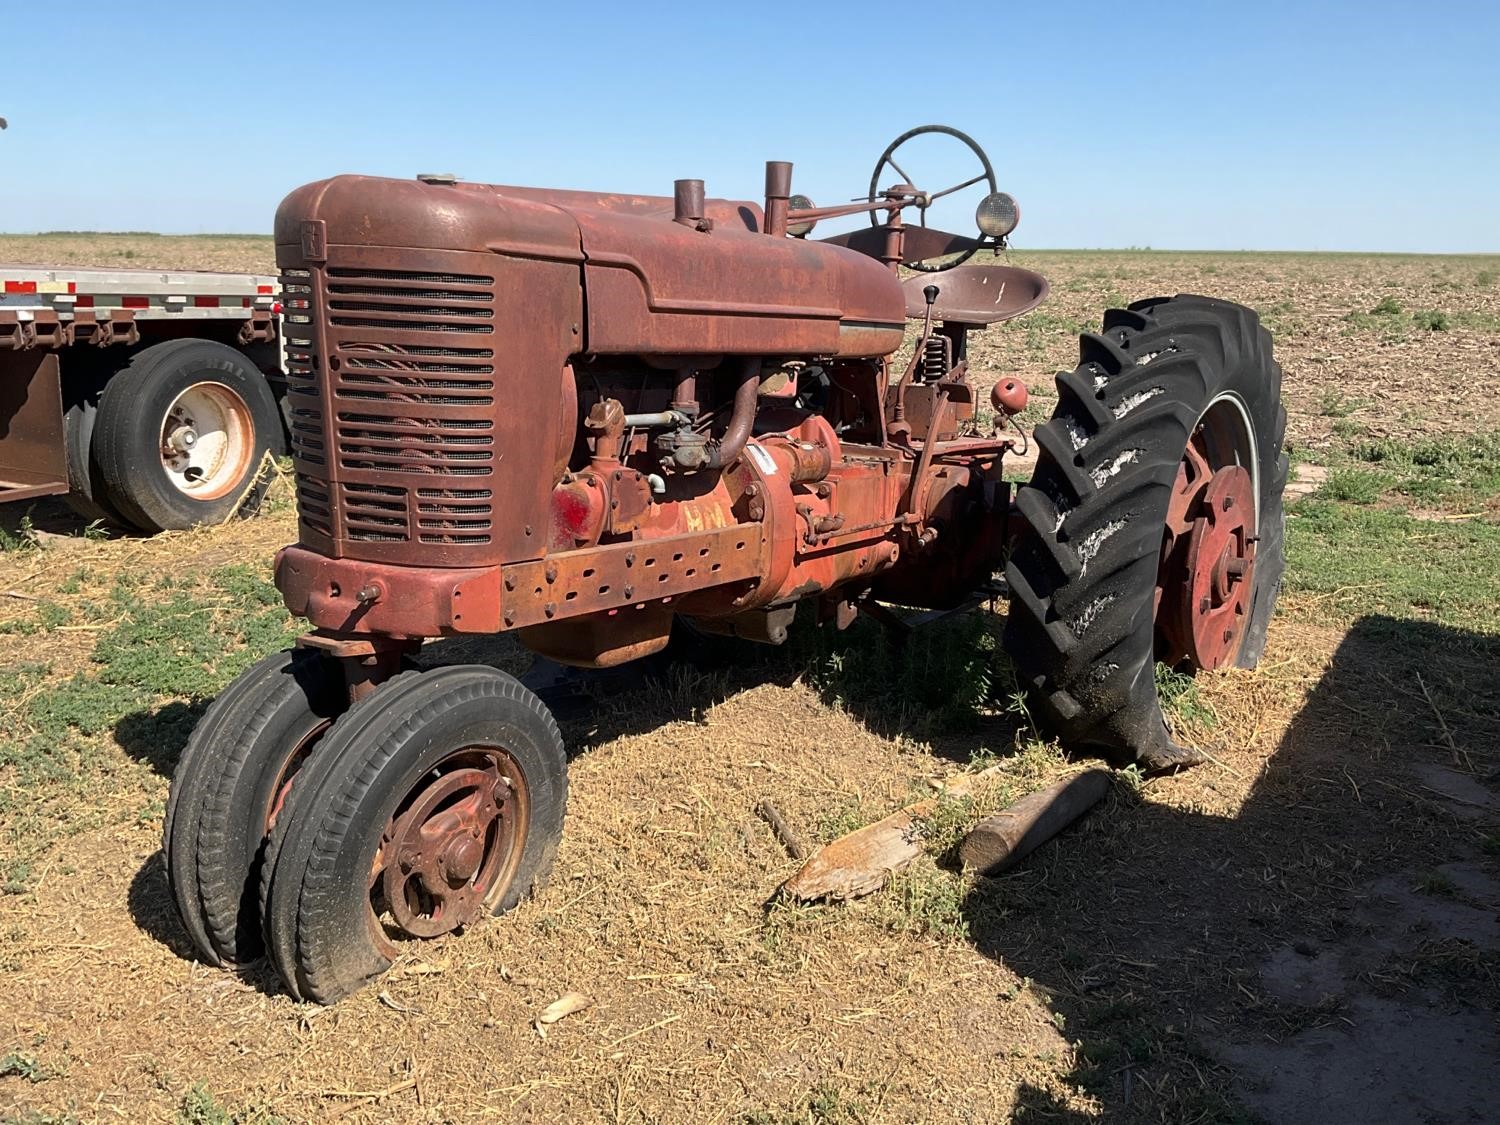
155	663
1354	486
924	900
1362	560
1461	470
1182	702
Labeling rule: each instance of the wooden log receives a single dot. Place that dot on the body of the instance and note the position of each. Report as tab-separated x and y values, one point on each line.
1000	841
864	860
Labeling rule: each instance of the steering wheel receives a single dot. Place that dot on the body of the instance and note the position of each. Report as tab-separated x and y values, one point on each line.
888	157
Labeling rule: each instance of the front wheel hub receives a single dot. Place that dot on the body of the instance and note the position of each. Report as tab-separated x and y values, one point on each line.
1207	563
440	857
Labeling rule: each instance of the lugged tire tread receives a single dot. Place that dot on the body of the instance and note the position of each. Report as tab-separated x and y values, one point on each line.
1097	691
190	790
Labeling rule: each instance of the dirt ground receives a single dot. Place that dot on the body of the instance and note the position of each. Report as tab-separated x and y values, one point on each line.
1306	928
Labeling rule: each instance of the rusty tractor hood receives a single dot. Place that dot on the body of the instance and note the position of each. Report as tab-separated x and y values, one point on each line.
649	284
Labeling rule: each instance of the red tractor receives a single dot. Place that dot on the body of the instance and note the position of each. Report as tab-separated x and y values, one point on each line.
582	417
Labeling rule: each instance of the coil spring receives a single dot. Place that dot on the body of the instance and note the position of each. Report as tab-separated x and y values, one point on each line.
934	358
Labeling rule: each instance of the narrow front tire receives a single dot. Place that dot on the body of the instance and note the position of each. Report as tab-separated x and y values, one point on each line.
434	801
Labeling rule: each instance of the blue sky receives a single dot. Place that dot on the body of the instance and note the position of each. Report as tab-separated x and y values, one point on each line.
1210	125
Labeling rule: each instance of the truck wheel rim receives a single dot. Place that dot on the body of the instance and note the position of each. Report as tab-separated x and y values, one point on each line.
452	847
1207	568
207	438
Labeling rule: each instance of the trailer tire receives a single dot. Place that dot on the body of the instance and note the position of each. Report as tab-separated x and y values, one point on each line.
1095	599
229	782
364	797
87	493
160	471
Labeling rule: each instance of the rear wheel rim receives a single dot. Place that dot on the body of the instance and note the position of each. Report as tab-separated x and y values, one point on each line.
1207	568
451	849
207	440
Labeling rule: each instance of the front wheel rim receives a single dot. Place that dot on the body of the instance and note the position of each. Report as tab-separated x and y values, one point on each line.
207	440
451	849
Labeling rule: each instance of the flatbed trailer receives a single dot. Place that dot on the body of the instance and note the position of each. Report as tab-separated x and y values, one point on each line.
148	398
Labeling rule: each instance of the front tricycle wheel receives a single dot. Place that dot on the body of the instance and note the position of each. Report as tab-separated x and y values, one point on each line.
435	801
1152	527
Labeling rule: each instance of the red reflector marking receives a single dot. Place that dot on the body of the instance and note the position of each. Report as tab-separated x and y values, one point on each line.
245	302
72	287
276	308
84	303
136	302
20	287
265	288
205	302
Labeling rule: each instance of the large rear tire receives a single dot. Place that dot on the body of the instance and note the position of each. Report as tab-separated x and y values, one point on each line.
1129	551
436	800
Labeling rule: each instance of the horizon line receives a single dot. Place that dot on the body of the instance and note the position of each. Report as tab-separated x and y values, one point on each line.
1012	249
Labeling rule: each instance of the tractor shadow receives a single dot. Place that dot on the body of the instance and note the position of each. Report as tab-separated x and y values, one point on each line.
157	735
945	683
1331	952
1332	947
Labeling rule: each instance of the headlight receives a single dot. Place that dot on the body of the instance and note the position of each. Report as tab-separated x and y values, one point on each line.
800	203
997	214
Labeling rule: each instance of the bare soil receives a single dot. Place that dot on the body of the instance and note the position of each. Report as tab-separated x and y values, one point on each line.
1303	929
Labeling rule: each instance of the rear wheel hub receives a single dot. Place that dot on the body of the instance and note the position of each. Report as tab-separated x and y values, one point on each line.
1207	562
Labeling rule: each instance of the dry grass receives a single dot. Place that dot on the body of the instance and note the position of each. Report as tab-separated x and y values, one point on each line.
235	254
1095	980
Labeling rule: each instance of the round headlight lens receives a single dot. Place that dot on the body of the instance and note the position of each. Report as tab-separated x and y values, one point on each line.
800	203
997	214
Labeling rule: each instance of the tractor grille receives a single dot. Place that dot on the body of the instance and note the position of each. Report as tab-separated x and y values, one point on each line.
391	389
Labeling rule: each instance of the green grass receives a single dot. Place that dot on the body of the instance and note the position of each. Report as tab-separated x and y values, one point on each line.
1334	403
845	818
944	828
1455	473
19	1064
162	649
199	1106
925	900
1363	560
1389	318
1354	485
1181	701
1438	884
827	1103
